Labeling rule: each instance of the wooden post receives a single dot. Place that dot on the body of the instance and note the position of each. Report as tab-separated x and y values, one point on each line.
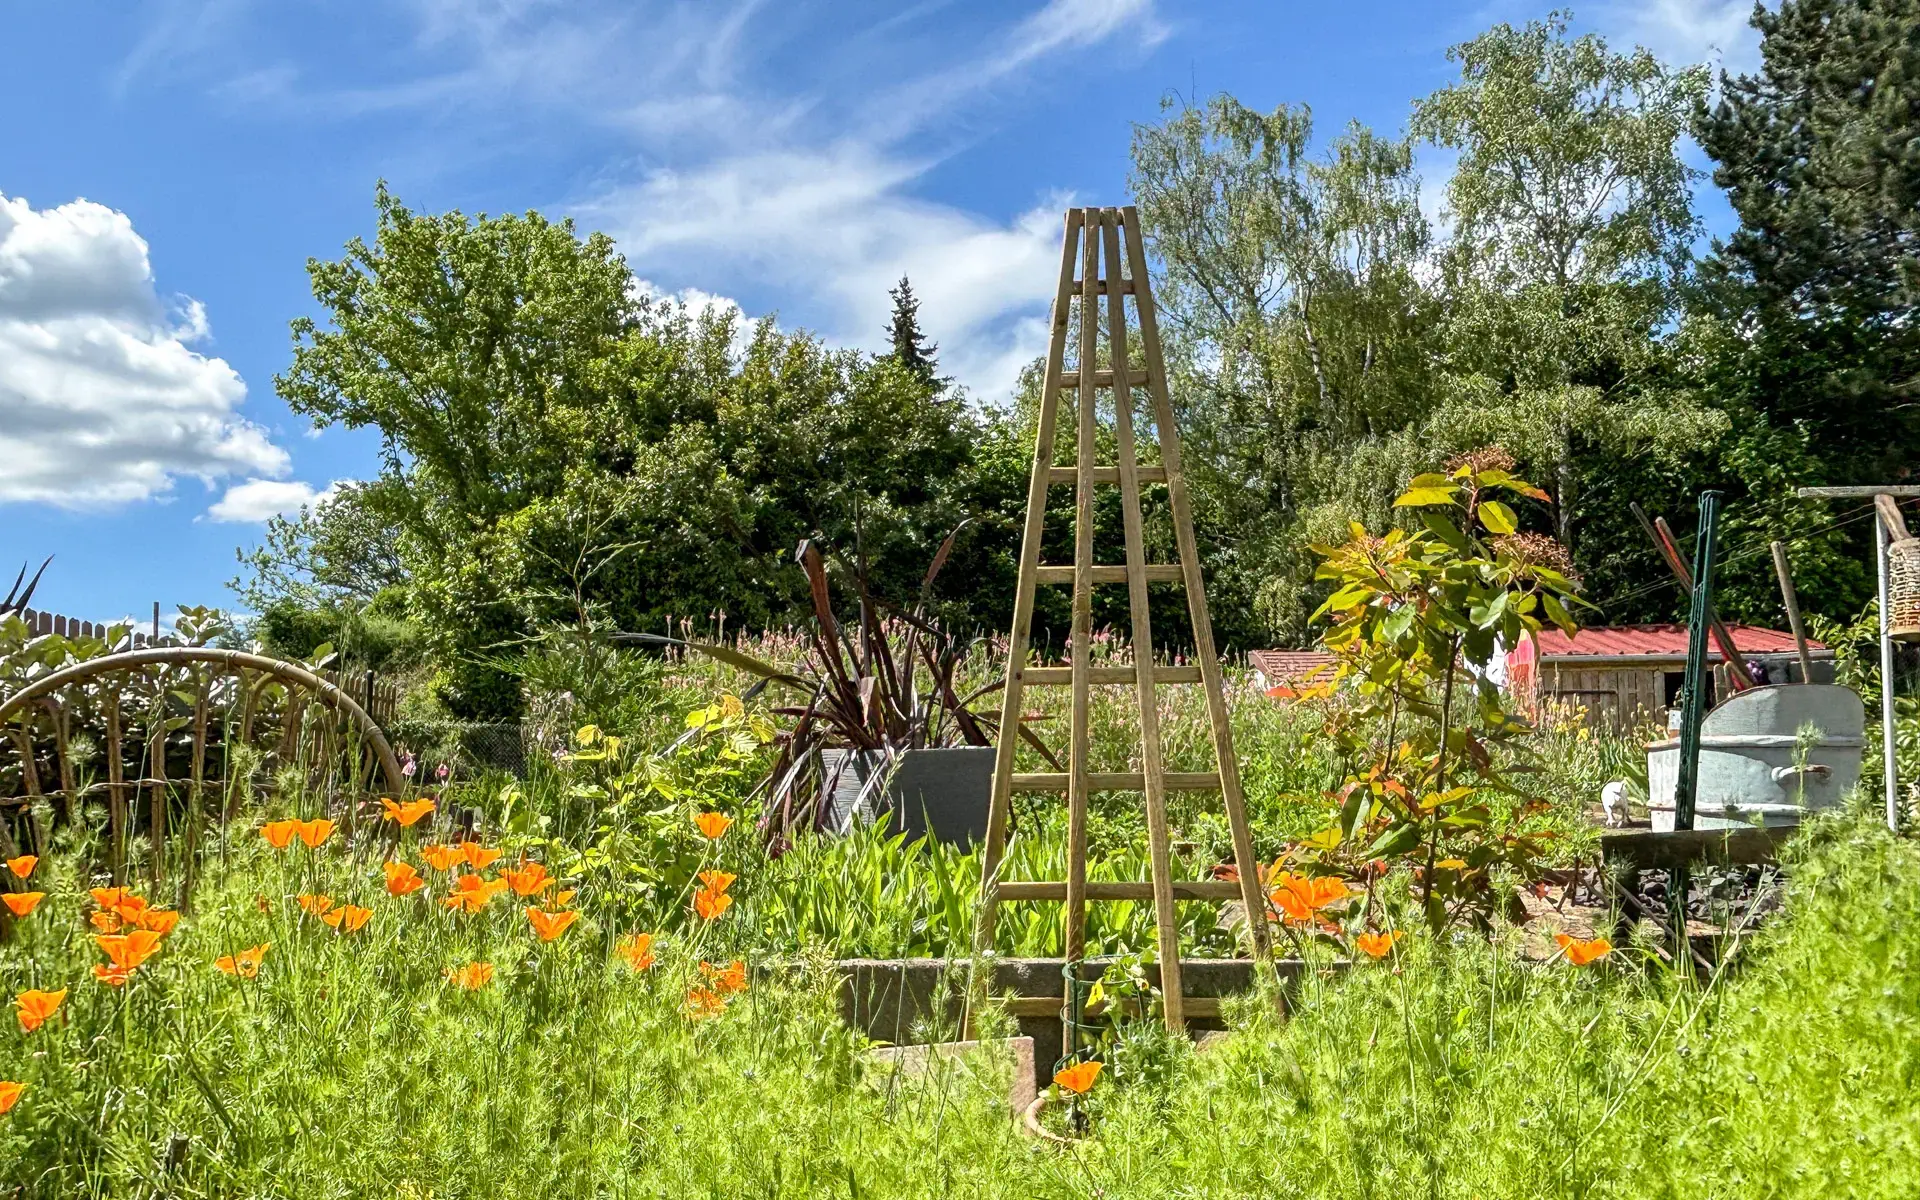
116	790
1792	601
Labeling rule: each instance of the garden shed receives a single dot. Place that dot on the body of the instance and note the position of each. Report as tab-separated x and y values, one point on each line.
1278	672
1626	675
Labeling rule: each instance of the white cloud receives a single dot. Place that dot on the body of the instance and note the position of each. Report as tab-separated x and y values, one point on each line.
102	400
257	499
1683	32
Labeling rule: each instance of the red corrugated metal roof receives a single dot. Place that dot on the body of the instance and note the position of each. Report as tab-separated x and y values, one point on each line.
1661	641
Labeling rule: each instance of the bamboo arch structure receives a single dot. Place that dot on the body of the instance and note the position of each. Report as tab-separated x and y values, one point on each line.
239	661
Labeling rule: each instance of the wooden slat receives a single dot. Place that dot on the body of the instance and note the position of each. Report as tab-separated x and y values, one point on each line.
1001	799
1209	661
1106	475
1080	734
1100	286
1182	889
1116	781
1199	1008
1103	377
1685	847
1037	675
1156	573
1152	765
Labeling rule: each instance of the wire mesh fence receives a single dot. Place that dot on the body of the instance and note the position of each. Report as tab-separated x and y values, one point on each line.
436	750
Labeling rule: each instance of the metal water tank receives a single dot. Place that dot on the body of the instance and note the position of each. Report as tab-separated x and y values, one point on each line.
1767	756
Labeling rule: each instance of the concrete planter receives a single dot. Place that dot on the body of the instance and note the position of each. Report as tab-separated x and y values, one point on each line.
940	792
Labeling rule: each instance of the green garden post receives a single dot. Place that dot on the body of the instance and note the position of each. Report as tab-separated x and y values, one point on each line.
1695	702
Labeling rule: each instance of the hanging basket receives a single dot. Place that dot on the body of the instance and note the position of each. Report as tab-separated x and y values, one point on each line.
1903	576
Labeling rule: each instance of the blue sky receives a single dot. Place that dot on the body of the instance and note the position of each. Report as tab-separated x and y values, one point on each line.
169	168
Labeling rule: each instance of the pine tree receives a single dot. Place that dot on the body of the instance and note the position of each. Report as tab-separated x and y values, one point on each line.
910	347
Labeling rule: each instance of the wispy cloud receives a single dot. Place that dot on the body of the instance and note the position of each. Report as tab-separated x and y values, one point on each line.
1683	32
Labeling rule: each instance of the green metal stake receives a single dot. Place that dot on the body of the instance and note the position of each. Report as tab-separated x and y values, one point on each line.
1699	616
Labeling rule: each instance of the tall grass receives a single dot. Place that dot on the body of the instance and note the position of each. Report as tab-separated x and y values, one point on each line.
351	1068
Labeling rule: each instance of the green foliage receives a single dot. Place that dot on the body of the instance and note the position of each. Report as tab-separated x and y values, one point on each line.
1417	621
910	347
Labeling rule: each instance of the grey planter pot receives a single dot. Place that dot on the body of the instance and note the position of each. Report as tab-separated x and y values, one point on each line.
941	793
1750	770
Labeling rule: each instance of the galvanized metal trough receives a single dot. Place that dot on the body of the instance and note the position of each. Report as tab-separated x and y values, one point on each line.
1767	757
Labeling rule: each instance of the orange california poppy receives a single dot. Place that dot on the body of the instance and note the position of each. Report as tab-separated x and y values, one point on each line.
23	866
1300	897
408	814
1378	945
478	856
716	882
114	898
1079	1077
712	824
636	949
348	918
279	834
315	831
550	925
159	920
36	1007
705	1002
710	904
112	976
562	899
245	964
528	879
315	905
9	1095
22	903
729	980
130	949
1580	953
471	893
402	879
442	857
472	976
106	921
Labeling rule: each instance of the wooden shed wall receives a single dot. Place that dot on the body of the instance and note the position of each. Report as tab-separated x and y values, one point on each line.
1616	697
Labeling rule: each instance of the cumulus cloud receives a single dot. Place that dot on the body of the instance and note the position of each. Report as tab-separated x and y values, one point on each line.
103	400
257	499
1682	32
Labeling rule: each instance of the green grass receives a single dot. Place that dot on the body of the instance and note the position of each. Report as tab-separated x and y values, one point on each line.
350	1068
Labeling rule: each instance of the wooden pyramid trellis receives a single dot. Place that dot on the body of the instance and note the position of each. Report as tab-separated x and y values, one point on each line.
1094	236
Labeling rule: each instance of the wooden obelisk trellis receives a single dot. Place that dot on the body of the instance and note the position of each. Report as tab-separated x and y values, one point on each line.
1094	237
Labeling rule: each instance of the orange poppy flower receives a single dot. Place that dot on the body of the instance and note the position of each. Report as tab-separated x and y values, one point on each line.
1300	897
550	925
22	903
36	1007
9	1095
317	906
159	920
279	834
348	918
23	866
528	879
563	899
315	831
408	814
705	1002
710	904
472	976
126	951
716	882
1378	945
636	949
402	879
729	980
442	857
245	964
478	856
471	893
712	824
1079	1077
106	921
1579	952
116	898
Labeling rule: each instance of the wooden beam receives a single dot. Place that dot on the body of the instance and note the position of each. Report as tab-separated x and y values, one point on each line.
1033	675
1103	378
1156	573
1857	493
1063	475
1181	889
1646	849
1117	781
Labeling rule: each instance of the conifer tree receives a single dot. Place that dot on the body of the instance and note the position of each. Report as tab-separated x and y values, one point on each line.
910	347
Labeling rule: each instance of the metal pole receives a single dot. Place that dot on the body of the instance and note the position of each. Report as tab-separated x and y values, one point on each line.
1881	541
1696	678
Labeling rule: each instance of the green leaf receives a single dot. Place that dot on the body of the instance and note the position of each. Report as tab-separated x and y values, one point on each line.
1420	496
1429	479
1497	517
1397	840
1446	531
